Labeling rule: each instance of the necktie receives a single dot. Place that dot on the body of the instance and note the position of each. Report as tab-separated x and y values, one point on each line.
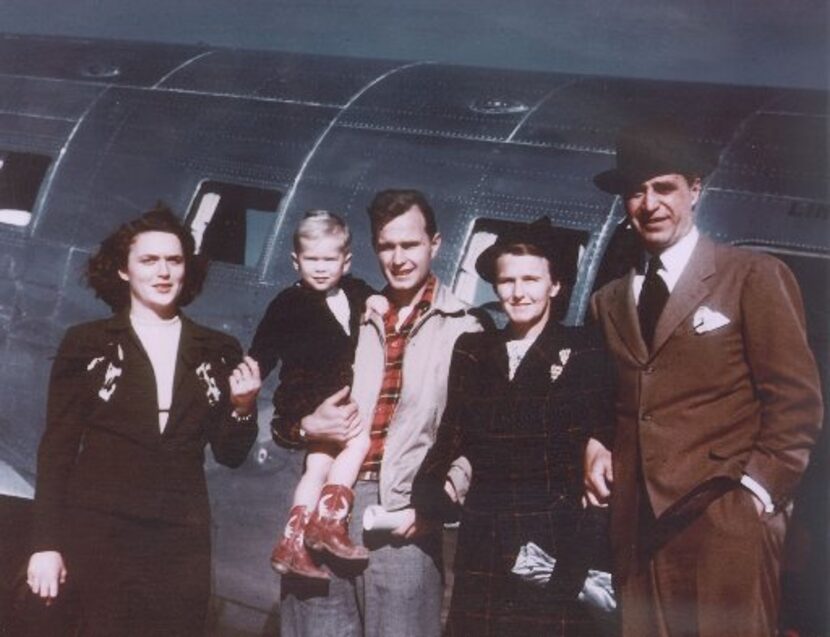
653	299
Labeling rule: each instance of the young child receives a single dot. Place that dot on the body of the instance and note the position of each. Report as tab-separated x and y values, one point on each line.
312	326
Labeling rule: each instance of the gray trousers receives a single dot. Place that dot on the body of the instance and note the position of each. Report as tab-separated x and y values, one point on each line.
399	593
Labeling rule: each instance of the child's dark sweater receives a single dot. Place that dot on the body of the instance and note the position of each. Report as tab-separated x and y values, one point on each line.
317	354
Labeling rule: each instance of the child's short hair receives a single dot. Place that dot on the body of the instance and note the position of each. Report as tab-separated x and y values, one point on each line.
322	223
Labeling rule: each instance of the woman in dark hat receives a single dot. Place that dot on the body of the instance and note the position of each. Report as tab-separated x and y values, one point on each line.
121	508
522	403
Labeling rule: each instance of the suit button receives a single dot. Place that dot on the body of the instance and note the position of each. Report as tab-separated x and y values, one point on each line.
649	370
646	417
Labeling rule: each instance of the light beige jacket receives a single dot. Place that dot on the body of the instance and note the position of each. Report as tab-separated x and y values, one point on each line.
426	366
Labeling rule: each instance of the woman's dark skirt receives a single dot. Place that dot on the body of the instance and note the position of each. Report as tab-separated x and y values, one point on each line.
137	577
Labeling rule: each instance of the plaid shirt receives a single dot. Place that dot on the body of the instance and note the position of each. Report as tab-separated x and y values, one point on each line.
390	391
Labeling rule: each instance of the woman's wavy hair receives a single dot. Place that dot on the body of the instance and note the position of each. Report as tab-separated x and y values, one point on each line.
103	266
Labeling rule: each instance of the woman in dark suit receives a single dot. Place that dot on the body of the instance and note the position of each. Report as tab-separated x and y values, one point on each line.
522	403
121	506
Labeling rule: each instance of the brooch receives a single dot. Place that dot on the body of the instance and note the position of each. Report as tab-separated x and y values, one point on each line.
111	375
209	383
557	369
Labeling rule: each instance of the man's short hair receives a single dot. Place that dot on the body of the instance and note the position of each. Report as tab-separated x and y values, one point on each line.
390	204
317	224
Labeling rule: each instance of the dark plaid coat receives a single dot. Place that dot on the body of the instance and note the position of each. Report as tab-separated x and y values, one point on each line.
525	439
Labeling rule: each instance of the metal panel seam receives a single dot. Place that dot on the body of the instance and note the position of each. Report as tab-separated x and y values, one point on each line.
289	196
537	105
181	66
46	188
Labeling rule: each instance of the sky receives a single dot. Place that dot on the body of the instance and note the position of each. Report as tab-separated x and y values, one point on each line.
761	42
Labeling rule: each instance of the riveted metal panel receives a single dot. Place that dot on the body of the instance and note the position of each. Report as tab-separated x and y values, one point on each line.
778	154
589	114
93	61
139	146
282	76
451	101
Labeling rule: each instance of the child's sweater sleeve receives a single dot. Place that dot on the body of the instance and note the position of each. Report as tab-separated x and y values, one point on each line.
271	334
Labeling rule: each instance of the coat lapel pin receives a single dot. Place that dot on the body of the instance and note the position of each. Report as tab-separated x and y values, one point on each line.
557	369
209	382
114	370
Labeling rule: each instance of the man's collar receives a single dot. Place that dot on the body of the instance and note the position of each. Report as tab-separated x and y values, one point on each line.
443	301
675	257
425	295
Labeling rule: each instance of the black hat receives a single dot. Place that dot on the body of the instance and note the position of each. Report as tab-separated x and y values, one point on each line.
538	233
658	148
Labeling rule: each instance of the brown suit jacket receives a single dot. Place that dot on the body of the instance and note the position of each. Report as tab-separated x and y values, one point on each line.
707	405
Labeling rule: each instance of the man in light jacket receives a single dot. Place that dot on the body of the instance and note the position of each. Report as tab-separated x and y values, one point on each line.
400	389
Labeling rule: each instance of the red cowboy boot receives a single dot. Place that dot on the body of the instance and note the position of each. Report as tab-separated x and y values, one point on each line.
289	554
328	528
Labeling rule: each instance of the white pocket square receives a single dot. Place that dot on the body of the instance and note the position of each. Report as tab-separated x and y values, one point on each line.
706	320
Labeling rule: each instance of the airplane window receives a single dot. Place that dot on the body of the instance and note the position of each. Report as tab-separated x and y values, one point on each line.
472	289
230	222
20	177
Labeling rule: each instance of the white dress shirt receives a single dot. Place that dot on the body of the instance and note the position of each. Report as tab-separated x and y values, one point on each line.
674	259
339	305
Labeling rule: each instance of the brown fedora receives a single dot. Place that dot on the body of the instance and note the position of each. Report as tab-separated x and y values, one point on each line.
647	150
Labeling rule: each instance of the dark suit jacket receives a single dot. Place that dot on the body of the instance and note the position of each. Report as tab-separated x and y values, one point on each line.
707	405
102	448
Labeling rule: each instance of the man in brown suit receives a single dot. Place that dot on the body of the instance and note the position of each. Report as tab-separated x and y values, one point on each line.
718	406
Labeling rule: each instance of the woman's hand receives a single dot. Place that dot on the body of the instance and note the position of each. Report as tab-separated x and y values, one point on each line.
245	383
46	574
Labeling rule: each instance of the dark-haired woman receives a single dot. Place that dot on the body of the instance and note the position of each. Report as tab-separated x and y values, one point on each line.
121	507
522	402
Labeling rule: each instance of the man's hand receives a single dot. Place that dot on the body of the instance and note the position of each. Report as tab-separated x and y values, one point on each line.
336	419
599	474
245	383
413	526
45	575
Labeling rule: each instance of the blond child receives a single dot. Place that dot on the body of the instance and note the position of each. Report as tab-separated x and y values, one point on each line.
312	327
